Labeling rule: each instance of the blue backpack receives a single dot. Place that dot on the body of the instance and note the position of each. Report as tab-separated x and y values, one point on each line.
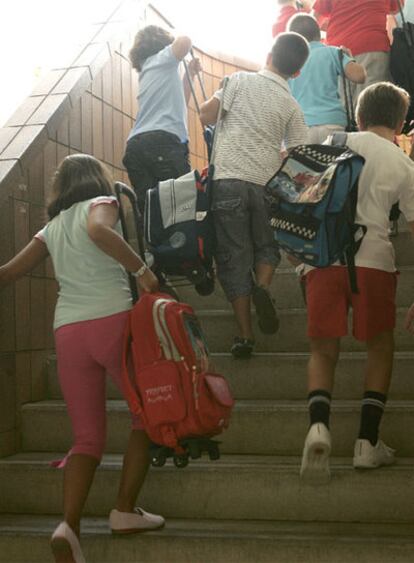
312	203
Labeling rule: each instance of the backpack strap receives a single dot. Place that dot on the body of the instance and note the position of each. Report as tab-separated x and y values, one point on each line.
339	139
349	103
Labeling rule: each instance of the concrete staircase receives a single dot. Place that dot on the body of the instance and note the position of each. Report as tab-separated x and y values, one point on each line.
250	506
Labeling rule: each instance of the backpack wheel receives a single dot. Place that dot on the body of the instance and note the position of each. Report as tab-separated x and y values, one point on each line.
206	287
180	461
158	460
214	453
195	450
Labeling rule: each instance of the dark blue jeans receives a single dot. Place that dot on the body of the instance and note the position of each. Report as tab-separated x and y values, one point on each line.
152	157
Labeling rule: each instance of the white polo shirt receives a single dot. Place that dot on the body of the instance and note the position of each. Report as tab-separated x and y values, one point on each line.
386	178
261	115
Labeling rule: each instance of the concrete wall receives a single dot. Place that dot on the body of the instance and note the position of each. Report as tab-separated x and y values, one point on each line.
87	105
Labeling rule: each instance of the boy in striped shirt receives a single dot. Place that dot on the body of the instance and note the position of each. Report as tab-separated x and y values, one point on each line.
259	117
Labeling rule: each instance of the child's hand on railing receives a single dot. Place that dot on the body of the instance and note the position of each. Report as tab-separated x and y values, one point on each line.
194	67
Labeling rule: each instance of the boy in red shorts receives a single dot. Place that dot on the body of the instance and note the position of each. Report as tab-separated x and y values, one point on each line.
387	177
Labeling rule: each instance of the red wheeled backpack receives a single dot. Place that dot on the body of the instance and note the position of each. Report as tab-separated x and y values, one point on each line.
181	401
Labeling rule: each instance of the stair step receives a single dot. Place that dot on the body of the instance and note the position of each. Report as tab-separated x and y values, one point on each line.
265	488
220	328
25	538
287	293
257	427
283	376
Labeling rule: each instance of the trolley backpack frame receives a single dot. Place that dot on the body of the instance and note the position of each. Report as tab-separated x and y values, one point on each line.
167	377
179	228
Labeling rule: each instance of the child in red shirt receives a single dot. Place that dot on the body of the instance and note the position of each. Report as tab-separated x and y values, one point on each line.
288	8
361	27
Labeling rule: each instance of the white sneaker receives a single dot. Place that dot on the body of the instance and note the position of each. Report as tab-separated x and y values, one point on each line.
65	545
131	522
315	459
367	456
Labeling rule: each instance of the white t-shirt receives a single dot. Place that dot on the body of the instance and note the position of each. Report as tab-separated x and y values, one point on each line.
261	115
387	178
92	285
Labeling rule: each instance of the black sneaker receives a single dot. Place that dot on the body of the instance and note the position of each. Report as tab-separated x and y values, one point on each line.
265	309
242	348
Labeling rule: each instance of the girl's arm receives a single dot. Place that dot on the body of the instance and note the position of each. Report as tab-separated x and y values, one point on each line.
24	262
101	222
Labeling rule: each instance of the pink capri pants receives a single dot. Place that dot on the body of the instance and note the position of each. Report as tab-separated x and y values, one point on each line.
86	352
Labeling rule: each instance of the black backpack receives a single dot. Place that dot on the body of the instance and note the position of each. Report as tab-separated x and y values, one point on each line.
402	63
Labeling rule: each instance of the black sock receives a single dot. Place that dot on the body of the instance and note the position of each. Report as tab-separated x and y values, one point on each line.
319	403
373	405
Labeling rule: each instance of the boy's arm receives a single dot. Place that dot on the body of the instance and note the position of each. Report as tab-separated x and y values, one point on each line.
209	111
355	72
181	47
24	262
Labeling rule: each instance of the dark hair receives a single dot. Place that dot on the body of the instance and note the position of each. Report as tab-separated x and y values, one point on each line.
305	25
383	104
148	42
79	177
289	53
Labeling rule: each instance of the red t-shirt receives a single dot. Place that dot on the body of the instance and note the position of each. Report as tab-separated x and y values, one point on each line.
359	25
285	14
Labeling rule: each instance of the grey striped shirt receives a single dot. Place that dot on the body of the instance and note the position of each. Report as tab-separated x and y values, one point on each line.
261	115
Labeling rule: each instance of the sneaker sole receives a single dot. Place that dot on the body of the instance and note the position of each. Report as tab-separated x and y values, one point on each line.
62	550
136	530
362	465
266	312
315	465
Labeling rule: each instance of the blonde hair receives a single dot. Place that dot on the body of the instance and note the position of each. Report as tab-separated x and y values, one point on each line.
383	104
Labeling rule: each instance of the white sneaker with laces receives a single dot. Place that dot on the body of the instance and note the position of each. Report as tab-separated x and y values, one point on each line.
367	456
132	522
65	545
315	459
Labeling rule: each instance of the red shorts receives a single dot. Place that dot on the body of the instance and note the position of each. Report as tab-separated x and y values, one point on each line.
329	298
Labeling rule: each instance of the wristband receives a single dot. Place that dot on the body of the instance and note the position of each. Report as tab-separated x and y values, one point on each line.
140	272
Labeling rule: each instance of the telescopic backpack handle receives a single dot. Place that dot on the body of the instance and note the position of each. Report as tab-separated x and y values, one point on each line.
123	189
219	120
200	80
